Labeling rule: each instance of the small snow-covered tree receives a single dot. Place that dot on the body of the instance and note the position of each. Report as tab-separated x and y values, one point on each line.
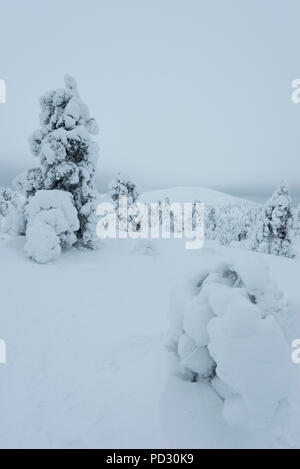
26	185
123	186
11	212
228	221
234	223
67	155
7	199
273	233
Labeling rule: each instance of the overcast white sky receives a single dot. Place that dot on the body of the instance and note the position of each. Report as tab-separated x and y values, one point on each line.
186	92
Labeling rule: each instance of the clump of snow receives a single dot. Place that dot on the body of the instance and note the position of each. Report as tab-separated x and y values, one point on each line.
219	298
230	337
122	186
241	318
196	319
254	278
199	362
42	244
52	225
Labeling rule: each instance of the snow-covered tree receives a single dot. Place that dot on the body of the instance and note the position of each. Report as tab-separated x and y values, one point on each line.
297	221
273	233
210	222
123	186
7	199
11	212
52	225
67	155
29	182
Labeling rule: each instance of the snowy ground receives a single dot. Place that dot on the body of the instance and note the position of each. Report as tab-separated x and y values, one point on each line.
86	365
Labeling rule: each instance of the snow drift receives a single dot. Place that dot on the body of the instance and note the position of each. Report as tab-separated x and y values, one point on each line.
227	334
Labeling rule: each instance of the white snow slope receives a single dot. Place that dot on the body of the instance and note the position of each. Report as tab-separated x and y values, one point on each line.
187	194
86	366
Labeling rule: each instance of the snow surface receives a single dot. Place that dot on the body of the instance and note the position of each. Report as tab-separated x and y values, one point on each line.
86	362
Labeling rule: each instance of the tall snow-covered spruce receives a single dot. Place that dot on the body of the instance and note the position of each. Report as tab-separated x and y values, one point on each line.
273	233
67	155
226	331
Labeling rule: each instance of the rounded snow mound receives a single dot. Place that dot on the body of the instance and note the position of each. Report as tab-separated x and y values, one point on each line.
52	223
228	335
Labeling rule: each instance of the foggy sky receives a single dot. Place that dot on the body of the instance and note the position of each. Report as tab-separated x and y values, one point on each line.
186	92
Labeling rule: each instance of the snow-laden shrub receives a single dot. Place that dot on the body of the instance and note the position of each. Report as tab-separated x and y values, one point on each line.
210	222
29	182
42	244
11	212
52	225
273	233
67	156
297	222
226	332
122	186
26	185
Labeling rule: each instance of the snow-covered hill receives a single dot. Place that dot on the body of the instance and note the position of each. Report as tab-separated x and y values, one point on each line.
183	194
